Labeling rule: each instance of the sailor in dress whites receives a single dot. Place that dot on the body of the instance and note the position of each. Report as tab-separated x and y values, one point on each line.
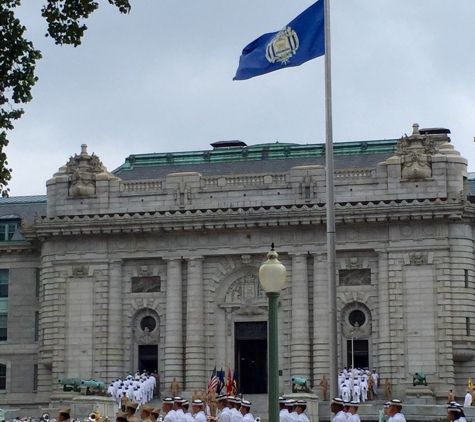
246	411
336	406
167	407
293	414
178	403
353	411
222	405
394	411
453	413
197	406
186	410
300	406
283	413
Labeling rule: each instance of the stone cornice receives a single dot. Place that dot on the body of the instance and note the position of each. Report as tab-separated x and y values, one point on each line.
272	216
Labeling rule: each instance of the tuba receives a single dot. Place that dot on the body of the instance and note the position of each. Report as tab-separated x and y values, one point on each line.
94	416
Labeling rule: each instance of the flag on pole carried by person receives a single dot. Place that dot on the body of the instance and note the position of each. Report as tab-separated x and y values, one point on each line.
301	40
213	381
235	386
229	382
221	383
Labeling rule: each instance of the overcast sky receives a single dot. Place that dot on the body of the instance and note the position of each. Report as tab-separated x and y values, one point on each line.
160	79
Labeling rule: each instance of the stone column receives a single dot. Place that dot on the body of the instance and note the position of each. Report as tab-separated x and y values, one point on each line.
195	347
300	346
115	358
174	324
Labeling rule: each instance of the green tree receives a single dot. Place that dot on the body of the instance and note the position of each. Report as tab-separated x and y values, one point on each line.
18	58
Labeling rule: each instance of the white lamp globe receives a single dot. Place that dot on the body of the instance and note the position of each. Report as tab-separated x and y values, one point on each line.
272	273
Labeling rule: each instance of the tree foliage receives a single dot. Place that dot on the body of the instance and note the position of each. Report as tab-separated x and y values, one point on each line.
18	58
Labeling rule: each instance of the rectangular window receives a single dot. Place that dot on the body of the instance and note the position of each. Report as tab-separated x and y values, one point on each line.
7	230
3	377
355	277
466	277
3	326
35	377
37	325
3	283
149	284
467	325
37	286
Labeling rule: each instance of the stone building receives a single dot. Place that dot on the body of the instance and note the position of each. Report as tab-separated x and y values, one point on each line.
154	266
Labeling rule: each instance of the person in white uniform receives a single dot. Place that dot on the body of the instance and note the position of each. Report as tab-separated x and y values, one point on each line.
222	405
197	406
394	411
167	407
284	412
300	406
468	399
336	406
246	411
353	411
186	410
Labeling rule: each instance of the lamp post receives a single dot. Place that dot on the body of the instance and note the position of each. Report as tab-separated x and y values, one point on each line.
272	275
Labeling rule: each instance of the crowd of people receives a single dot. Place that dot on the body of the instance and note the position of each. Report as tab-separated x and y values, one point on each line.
139	388
359	385
348	411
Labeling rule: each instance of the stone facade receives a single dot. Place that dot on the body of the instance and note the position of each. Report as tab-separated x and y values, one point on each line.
170	261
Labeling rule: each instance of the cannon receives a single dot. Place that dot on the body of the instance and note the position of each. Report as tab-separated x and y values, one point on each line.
70	384
75	384
299	384
93	384
419	378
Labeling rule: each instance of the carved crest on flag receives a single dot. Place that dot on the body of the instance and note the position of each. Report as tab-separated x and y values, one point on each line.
283	46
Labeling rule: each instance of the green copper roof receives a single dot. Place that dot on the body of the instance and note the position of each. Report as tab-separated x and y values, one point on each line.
275	151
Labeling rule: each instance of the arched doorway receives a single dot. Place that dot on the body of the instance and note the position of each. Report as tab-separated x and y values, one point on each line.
356	329
146	338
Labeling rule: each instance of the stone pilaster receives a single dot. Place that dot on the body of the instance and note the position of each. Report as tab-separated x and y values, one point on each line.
321	317
115	353
300	345
174	323
384	340
195	347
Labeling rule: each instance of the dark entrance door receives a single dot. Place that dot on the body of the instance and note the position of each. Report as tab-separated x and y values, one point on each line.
361	354
251	357
148	358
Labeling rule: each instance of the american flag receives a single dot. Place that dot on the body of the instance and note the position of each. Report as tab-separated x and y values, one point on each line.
213	381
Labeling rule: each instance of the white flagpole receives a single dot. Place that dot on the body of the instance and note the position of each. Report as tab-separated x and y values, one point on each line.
331	245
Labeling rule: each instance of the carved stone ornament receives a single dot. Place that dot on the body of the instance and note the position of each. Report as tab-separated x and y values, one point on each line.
416	153
246	259
353	262
82	170
418	258
351	328
142	333
80	271
245	297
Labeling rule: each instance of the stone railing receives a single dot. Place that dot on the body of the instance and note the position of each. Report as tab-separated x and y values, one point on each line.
244	180
353	174
141	186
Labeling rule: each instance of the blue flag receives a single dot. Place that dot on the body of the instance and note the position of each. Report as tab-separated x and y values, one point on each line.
301	40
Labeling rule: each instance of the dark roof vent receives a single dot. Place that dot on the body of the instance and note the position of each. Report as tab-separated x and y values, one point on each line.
434	131
228	144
